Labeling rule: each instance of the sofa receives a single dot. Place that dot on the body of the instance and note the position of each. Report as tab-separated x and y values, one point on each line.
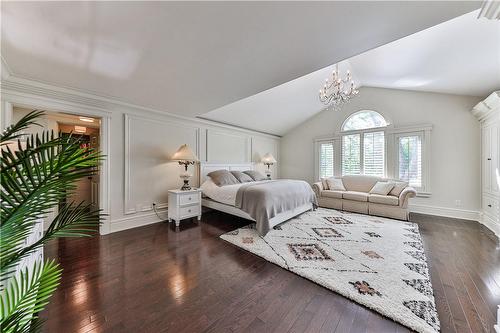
357	197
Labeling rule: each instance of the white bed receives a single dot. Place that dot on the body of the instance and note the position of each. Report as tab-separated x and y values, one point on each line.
223	200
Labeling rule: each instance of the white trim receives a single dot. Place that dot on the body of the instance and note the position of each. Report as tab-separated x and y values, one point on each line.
446	212
490	224
135	221
19	86
104	177
30	101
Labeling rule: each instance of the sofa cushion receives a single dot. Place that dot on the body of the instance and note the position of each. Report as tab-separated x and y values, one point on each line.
360	183
335	184
356	196
332	194
382	188
324	183
398	188
383	199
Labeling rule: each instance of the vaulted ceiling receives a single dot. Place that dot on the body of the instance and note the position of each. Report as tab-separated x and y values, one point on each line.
193	57
460	56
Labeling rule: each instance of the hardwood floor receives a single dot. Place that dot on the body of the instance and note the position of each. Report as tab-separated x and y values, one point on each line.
157	279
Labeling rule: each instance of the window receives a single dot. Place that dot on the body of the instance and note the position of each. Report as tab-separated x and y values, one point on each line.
326	159
410	159
351	157
367	145
364	120
363	152
374	153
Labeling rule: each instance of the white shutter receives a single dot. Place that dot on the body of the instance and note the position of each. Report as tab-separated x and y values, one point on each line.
410	159
326	159
351	157
374	154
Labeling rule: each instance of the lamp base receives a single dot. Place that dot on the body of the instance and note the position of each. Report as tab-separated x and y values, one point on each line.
186	186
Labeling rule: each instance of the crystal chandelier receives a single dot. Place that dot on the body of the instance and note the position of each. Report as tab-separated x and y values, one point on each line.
338	91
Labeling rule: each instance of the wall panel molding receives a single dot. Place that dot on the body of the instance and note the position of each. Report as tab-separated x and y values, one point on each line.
130	207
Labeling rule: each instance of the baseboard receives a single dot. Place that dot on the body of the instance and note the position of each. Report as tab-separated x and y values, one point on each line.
490	224
141	220
458	214
446	212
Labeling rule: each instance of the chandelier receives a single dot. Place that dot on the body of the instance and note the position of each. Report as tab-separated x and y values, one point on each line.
338	91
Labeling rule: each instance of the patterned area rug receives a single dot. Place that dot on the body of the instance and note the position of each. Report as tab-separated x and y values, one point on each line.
374	261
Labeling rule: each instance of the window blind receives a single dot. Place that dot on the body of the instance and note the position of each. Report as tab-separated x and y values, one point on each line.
374	154
326	159
351	155
410	159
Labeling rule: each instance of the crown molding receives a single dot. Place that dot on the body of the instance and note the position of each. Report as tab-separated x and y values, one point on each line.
19	86
6	71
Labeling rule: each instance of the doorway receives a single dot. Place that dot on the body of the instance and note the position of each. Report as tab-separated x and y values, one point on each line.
82	128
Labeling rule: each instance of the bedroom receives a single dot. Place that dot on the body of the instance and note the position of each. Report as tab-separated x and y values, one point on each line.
238	84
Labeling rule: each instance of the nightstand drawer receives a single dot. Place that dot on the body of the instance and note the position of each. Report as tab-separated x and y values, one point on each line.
189	198
189	211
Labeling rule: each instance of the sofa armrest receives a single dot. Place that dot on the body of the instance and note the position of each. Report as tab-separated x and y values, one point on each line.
407	193
317	188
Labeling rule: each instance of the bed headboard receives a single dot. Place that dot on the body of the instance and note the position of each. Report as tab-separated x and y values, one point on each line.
206	168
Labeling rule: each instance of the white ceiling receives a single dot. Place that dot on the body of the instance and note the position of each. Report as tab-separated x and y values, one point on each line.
192	57
460	56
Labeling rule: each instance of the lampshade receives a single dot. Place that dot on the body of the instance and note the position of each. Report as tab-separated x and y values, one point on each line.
184	153
268	158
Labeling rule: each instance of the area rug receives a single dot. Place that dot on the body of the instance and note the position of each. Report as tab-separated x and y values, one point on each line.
374	261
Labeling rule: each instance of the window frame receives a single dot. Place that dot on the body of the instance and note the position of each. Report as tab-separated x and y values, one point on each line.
361	133
391	160
424	134
318	143
364	129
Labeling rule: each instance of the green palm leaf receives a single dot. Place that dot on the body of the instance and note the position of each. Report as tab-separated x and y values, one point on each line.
36	174
27	294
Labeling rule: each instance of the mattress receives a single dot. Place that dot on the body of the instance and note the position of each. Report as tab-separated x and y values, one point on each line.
223	194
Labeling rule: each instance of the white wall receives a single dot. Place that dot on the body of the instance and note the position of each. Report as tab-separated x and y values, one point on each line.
141	144
454	142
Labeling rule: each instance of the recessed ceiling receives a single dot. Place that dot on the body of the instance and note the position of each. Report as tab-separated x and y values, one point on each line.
192	57
460	56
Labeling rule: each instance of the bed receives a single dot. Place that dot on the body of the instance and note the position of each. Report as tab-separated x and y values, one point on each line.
226	201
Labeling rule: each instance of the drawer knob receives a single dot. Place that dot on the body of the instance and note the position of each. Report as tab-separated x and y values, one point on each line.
189	210
489	159
189	198
489	205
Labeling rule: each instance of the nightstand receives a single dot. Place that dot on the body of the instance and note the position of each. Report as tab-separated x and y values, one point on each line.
183	205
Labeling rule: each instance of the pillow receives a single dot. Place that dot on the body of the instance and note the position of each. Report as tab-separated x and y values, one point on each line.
255	175
398	188
382	188
324	183
335	184
223	178
242	177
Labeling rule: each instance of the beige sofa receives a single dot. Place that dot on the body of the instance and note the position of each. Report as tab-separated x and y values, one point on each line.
356	197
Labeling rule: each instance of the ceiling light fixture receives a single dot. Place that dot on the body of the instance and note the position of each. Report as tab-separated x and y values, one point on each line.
338	91
80	129
87	120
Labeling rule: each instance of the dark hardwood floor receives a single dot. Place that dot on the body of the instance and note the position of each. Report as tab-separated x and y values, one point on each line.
157	279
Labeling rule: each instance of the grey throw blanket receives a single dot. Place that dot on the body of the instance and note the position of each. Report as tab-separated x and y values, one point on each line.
264	200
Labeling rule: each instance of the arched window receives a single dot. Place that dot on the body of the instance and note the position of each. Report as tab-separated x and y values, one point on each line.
363	144
365	119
